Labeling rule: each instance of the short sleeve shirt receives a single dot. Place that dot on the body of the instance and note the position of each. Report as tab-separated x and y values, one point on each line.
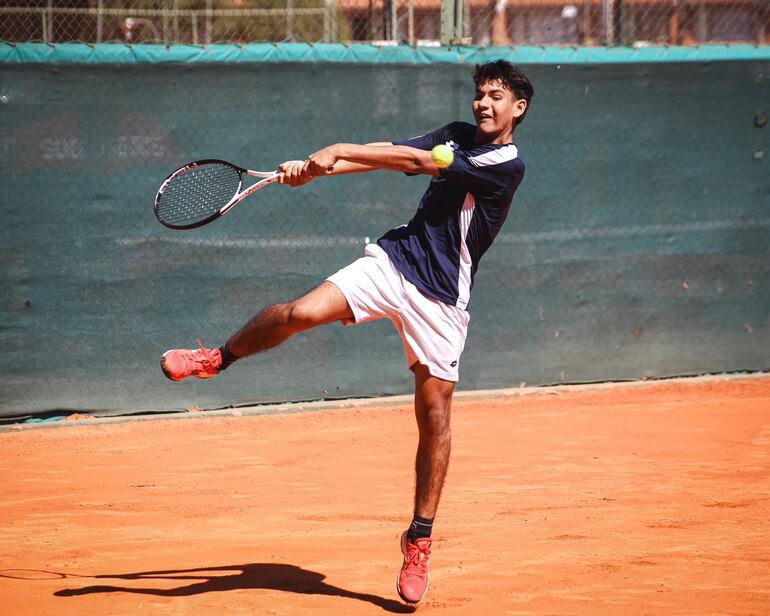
459	215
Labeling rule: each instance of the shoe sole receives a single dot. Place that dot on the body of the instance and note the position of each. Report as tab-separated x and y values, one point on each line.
163	367
398	578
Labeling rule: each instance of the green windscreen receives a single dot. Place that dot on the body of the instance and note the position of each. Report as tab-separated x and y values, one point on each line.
638	244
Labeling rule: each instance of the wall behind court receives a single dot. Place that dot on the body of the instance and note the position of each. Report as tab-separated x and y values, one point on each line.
638	245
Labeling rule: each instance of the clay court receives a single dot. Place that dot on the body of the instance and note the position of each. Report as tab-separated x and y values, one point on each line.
646	498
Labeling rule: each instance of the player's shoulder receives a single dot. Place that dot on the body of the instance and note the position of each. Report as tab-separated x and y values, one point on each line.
492	155
464	127
461	132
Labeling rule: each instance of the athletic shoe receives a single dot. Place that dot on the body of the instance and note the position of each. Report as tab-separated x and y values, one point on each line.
203	363
412	582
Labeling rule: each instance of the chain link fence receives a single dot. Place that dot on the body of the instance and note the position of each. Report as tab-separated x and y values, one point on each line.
214	21
617	22
413	22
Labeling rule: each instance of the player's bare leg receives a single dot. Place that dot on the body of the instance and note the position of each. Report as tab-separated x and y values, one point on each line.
432	401
324	304
432	404
273	325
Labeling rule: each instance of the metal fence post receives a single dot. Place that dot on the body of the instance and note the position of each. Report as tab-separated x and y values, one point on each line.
608	20
175	22
290	20
164	24
453	21
330	22
587	38
99	21
394	21
459	32
447	21
410	20
48	23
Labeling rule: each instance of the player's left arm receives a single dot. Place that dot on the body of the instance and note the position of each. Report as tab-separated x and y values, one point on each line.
295	173
347	157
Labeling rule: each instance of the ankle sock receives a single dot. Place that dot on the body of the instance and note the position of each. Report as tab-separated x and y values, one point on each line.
227	357
420	528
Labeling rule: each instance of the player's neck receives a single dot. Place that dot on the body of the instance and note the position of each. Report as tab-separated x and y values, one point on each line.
501	138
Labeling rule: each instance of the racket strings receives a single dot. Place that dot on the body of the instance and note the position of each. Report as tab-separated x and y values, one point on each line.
198	193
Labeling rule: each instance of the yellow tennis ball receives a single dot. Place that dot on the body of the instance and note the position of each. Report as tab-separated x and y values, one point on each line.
442	155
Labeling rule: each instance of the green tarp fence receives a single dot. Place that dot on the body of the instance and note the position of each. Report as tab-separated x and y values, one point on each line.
638	245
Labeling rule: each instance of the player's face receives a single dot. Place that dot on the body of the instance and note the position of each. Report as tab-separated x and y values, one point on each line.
495	107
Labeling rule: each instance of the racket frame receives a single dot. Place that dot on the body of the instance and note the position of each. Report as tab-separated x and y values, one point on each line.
266	177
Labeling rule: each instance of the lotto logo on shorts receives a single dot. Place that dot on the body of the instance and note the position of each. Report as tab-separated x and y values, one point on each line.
454	363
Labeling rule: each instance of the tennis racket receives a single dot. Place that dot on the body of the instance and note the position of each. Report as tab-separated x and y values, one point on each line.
201	192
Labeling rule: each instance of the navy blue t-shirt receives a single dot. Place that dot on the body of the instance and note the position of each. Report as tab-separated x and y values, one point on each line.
459	215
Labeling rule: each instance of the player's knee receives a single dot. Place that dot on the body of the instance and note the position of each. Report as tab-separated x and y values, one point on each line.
300	316
433	421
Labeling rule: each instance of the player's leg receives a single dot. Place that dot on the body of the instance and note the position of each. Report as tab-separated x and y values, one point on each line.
432	401
432	405
268	329
324	304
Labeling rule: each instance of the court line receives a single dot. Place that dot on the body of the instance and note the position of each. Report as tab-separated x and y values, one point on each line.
586	233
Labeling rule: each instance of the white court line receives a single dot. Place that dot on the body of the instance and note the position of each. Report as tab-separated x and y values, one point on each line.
588	233
248	242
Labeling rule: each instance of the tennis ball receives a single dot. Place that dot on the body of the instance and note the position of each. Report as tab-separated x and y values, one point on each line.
442	155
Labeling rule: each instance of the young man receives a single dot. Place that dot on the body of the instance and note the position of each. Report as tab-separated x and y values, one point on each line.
418	275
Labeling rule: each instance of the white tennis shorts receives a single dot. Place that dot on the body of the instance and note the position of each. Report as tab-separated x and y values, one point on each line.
433	332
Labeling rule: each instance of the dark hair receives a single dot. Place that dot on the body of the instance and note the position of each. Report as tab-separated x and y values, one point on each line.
510	76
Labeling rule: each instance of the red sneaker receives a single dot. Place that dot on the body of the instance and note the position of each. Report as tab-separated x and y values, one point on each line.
412	582
203	363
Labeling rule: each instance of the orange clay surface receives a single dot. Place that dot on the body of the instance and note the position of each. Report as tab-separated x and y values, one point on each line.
649	498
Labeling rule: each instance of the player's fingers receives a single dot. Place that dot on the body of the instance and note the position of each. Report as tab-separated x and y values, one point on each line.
296	181
300	177
291	171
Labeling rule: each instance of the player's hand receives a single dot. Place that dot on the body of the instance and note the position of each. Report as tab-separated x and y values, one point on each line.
322	162
293	174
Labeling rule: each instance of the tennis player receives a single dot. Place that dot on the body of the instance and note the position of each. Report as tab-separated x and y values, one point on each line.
419	276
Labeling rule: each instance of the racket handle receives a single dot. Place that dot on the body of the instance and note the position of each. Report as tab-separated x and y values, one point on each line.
262	174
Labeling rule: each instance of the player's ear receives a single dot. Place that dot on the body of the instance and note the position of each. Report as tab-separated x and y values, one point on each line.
519	107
